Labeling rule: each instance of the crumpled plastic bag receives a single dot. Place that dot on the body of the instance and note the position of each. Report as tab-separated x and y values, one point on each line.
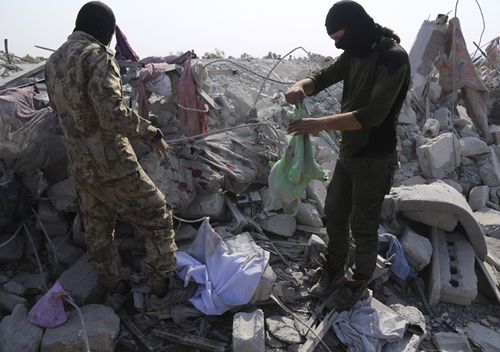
49	312
290	176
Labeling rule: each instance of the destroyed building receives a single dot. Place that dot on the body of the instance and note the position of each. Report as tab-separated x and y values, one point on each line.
248	257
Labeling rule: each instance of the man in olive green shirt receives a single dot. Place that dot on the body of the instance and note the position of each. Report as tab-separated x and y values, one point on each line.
375	72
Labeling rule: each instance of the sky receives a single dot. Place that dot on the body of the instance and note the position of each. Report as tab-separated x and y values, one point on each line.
257	27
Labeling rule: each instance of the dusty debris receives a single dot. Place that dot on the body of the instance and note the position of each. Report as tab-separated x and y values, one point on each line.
444	208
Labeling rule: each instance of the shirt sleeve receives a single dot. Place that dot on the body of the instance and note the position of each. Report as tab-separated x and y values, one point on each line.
333	73
105	94
382	98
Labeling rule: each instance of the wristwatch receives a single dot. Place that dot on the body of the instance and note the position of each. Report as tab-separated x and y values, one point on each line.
158	136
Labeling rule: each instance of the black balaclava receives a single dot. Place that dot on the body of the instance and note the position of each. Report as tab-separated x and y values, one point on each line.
98	20
361	32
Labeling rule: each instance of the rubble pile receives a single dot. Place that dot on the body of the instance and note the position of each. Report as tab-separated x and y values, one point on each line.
244	267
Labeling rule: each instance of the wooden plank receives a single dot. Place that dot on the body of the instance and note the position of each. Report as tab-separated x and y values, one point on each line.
319	332
182	338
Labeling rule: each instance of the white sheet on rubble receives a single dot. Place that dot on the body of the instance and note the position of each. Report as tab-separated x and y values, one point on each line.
365	329
227	278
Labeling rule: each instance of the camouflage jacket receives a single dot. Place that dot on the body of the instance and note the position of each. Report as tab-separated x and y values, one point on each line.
84	86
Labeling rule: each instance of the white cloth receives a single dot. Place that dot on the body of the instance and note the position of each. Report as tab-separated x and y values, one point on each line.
227	278
364	329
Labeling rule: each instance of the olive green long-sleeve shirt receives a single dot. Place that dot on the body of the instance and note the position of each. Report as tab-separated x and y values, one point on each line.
375	88
84	86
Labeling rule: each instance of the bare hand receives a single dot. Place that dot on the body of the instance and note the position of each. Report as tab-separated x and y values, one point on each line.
295	94
305	126
162	148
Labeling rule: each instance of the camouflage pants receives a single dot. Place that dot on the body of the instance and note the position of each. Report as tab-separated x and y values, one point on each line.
139	202
354	200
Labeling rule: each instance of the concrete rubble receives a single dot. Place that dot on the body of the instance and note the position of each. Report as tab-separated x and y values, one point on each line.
444	209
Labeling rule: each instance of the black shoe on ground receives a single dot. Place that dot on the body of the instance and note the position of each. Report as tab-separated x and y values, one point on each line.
347	294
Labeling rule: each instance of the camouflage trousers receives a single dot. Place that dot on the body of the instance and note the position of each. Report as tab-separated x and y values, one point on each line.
139	202
353	202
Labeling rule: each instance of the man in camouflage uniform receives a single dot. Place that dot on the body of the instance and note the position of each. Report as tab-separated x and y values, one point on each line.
84	86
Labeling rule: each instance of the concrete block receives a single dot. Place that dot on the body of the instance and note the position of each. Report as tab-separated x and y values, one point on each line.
489	219
472	146
417	249
453	278
489	170
52	221
80	280
102	325
18	334
211	205
279	224
436	198
451	342
439	156
443	115
265	287
431	128
478	196
249	332
316	191
307	214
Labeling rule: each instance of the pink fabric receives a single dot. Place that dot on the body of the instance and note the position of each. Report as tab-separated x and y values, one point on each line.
190	122
49	312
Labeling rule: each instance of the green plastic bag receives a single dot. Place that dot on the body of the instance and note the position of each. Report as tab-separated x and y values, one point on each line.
290	176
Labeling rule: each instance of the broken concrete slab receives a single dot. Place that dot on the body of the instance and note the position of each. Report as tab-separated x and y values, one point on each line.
472	146
437	198
493	251
283	329
451	342
487	339
211	205
80	280
249	332
417	249
489	219
489	169
102	327
478	196
18	334
439	156
307	214
279	224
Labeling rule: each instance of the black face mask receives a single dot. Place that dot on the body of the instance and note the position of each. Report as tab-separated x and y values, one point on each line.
361	32
98	20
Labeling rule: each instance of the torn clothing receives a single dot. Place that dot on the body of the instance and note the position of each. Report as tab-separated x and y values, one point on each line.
375	88
84	87
137	200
